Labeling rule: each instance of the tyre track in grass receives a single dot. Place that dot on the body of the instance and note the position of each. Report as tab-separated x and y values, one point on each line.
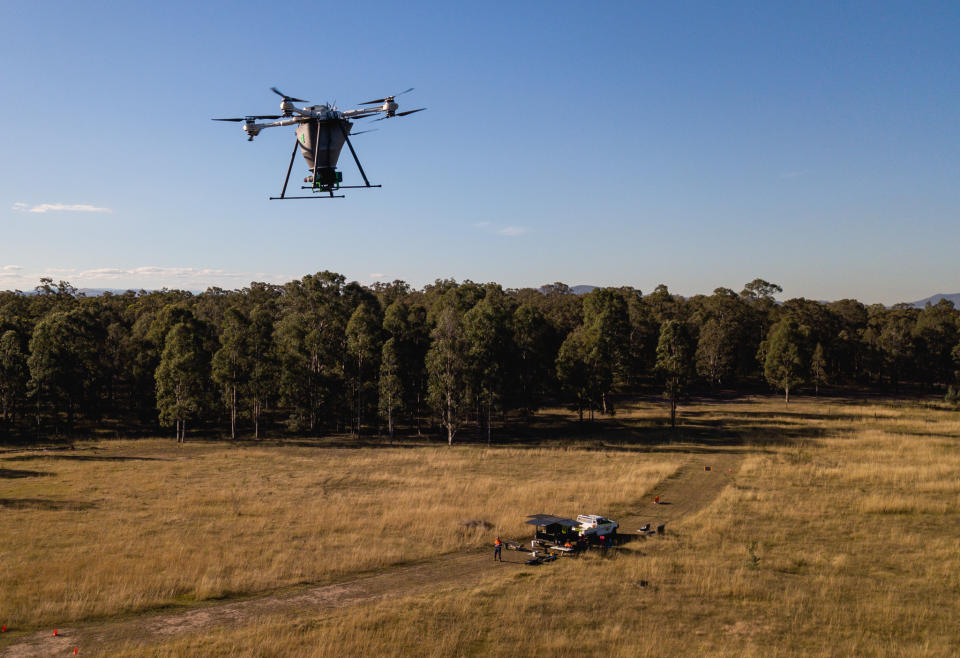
687	490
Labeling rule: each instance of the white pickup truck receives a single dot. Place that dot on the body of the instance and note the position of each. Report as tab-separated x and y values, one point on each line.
592	524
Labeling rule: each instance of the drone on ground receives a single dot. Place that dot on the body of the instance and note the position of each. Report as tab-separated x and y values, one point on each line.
321	133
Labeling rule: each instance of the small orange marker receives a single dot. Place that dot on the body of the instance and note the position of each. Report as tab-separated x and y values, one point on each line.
54	632
656	500
4	630
75	650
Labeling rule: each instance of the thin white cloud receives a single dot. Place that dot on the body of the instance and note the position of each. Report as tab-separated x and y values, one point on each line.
145	276
56	207
377	275
509	231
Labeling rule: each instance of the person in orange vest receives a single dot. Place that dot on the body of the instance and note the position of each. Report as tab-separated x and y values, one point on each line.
497	548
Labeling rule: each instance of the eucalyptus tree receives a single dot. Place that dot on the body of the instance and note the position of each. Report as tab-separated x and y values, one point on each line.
149	316
364	345
264	369
13	375
936	333
675	362
818	369
897	341
182	375
62	362
852	356
562	308
663	305
231	365
310	339
759	297
407	325
533	338
714	355
605	312
447	371
784	360
580	373
955	357
644	332
389	293
488	338
390	384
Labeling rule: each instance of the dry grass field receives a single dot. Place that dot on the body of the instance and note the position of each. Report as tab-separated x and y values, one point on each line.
837	535
116	527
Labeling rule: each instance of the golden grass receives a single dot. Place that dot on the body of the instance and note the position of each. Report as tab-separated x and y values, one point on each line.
116	527
841	545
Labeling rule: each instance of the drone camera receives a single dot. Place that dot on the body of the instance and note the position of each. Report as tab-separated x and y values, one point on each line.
326	178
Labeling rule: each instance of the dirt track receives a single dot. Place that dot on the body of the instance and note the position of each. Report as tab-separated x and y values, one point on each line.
687	490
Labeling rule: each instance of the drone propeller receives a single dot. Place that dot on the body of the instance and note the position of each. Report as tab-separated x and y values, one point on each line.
372	130
400	114
285	97
249	118
386	99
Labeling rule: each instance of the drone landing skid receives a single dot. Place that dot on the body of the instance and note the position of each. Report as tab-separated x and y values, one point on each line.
324	190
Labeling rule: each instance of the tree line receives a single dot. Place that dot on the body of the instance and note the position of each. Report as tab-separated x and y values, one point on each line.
322	354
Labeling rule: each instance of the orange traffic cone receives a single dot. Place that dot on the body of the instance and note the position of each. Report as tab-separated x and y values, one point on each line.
656	500
54	632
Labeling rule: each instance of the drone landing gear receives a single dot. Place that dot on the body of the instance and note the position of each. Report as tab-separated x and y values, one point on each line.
325	180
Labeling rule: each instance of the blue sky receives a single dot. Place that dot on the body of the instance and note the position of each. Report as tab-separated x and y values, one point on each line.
696	144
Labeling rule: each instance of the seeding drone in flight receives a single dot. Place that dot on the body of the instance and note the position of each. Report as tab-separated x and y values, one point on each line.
321	133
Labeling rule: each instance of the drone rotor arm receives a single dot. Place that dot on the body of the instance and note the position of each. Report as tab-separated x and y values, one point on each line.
386	99
287	98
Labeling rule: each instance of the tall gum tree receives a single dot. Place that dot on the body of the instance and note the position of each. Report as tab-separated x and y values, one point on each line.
447	370
784	364
364	345
184	368
390	385
674	362
13	376
488	337
232	363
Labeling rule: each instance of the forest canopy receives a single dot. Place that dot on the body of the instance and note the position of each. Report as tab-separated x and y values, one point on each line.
321	354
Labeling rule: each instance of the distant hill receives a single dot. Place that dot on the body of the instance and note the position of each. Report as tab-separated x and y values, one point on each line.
96	292
955	298
582	290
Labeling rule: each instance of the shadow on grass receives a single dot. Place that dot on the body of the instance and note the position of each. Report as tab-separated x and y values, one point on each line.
45	504
15	474
695	433
86	458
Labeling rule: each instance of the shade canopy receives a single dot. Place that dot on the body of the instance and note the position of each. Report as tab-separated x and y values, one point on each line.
549	519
